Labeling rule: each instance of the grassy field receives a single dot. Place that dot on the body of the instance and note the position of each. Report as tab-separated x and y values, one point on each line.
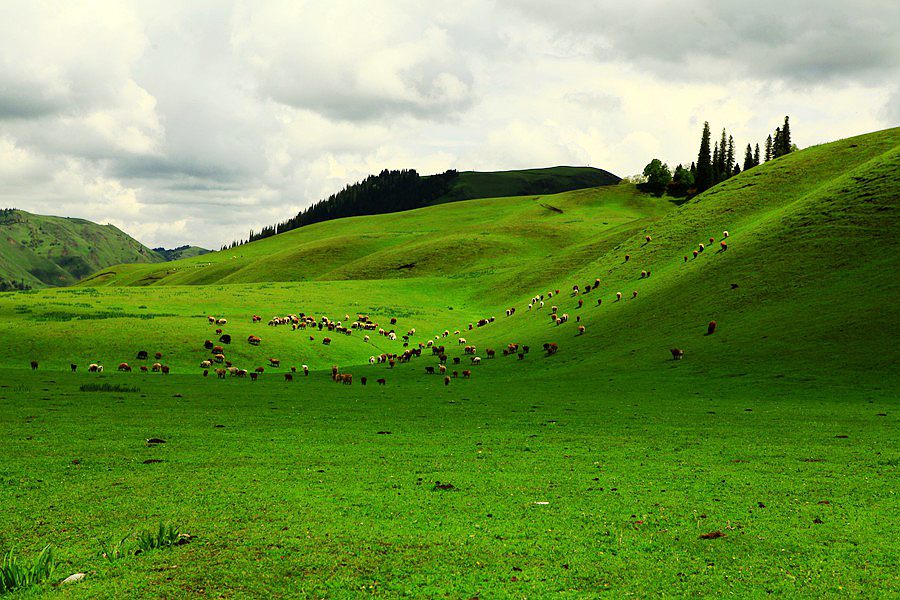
591	471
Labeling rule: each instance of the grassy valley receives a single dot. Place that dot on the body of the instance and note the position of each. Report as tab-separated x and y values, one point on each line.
764	462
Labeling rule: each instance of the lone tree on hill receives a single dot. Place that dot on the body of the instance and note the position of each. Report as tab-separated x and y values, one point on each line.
769	148
658	174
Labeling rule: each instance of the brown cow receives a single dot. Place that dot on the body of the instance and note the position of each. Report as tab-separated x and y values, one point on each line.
144	369
326	341
711	328
677	353
381	381
258	370
158	355
446	381
156	368
165	369
467	373
288	377
274	362
124	367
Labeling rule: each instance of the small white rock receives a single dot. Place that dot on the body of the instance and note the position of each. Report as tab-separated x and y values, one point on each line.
74	578
542	503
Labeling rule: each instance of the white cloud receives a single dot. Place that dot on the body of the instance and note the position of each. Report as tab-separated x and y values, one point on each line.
193	123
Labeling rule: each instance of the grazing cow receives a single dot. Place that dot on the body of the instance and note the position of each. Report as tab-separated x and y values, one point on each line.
712	241
142	354
165	369
643	274
362	381
254	376
618	296
346	378
599	301
205	364
391	362
366	338
581	329
702	248
219	358
381	381
220	373
489	352
205	373
551	348
274	362
221	322
442	369
467	374
144	369
711	328
521	355
455	360
259	370
724	234
124	367
326	341
476	360
211	320
218	331
627	257
218	350
429	370
288	377
208	344
648	238
695	254
393	320
372	360
580	303
156	368
34	365
158	355
723	246
446	381
225	339
455	374
685	258
526	349
634	294
461	341
306	370
254	340
74	367
677	353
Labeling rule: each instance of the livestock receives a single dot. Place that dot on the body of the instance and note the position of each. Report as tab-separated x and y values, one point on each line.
219	358
259	370
723	246
446	381
220	373
156	368
381	381
366	339
618	296
74	367
326	341
711	328
551	348
218	331
254	340
599	301
581	329
643	274
476	360
702	248
218	350
208	344
685	258
677	353
142	354
648	238
334	371
627	257
724	234
371	360
158	355
34	365
489	352
455	374
391	362
293	369
225	339
429	370
393	320
526	349
144	369
467	373
306	370
362	380
442	359
124	367
455	360
165	369
442	369
521	355
712	241
221	321
580	303
254	376
461	341
211	320
469	350
288	377
205	373
695	254
274	362
634	294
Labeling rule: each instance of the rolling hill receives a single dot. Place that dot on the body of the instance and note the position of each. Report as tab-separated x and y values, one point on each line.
41	251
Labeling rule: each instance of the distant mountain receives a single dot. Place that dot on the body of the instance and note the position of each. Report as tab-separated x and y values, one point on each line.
44	251
396	191
181	252
469	185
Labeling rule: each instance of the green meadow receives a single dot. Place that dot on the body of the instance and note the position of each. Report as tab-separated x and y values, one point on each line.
595	471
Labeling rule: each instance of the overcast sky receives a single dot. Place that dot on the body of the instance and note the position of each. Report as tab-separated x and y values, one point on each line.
193	122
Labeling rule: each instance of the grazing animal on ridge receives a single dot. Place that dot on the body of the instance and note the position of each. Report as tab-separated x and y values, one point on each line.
677	353
34	365
711	328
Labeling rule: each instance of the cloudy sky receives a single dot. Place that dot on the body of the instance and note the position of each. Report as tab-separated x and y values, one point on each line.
191	122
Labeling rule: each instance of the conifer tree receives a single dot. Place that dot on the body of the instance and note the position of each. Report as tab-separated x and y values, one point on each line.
716	170
729	158
755	156
703	175
776	143
748	158
724	170
769	148
785	138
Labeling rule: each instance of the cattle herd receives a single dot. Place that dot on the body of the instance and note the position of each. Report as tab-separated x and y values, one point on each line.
219	364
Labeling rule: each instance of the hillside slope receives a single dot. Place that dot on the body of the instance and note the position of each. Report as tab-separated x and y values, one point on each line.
469	185
42	251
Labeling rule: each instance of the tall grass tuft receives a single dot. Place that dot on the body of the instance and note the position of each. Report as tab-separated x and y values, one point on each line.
114	552
15	575
108	387
165	536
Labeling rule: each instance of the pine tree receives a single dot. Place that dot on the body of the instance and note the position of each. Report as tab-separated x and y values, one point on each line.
755	157
785	138
703	169
736	170
716	170
729	158
776	143
748	158
769	148
724	170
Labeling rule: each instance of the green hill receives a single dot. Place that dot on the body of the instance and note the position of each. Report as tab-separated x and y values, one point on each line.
181	252
42	251
469	185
